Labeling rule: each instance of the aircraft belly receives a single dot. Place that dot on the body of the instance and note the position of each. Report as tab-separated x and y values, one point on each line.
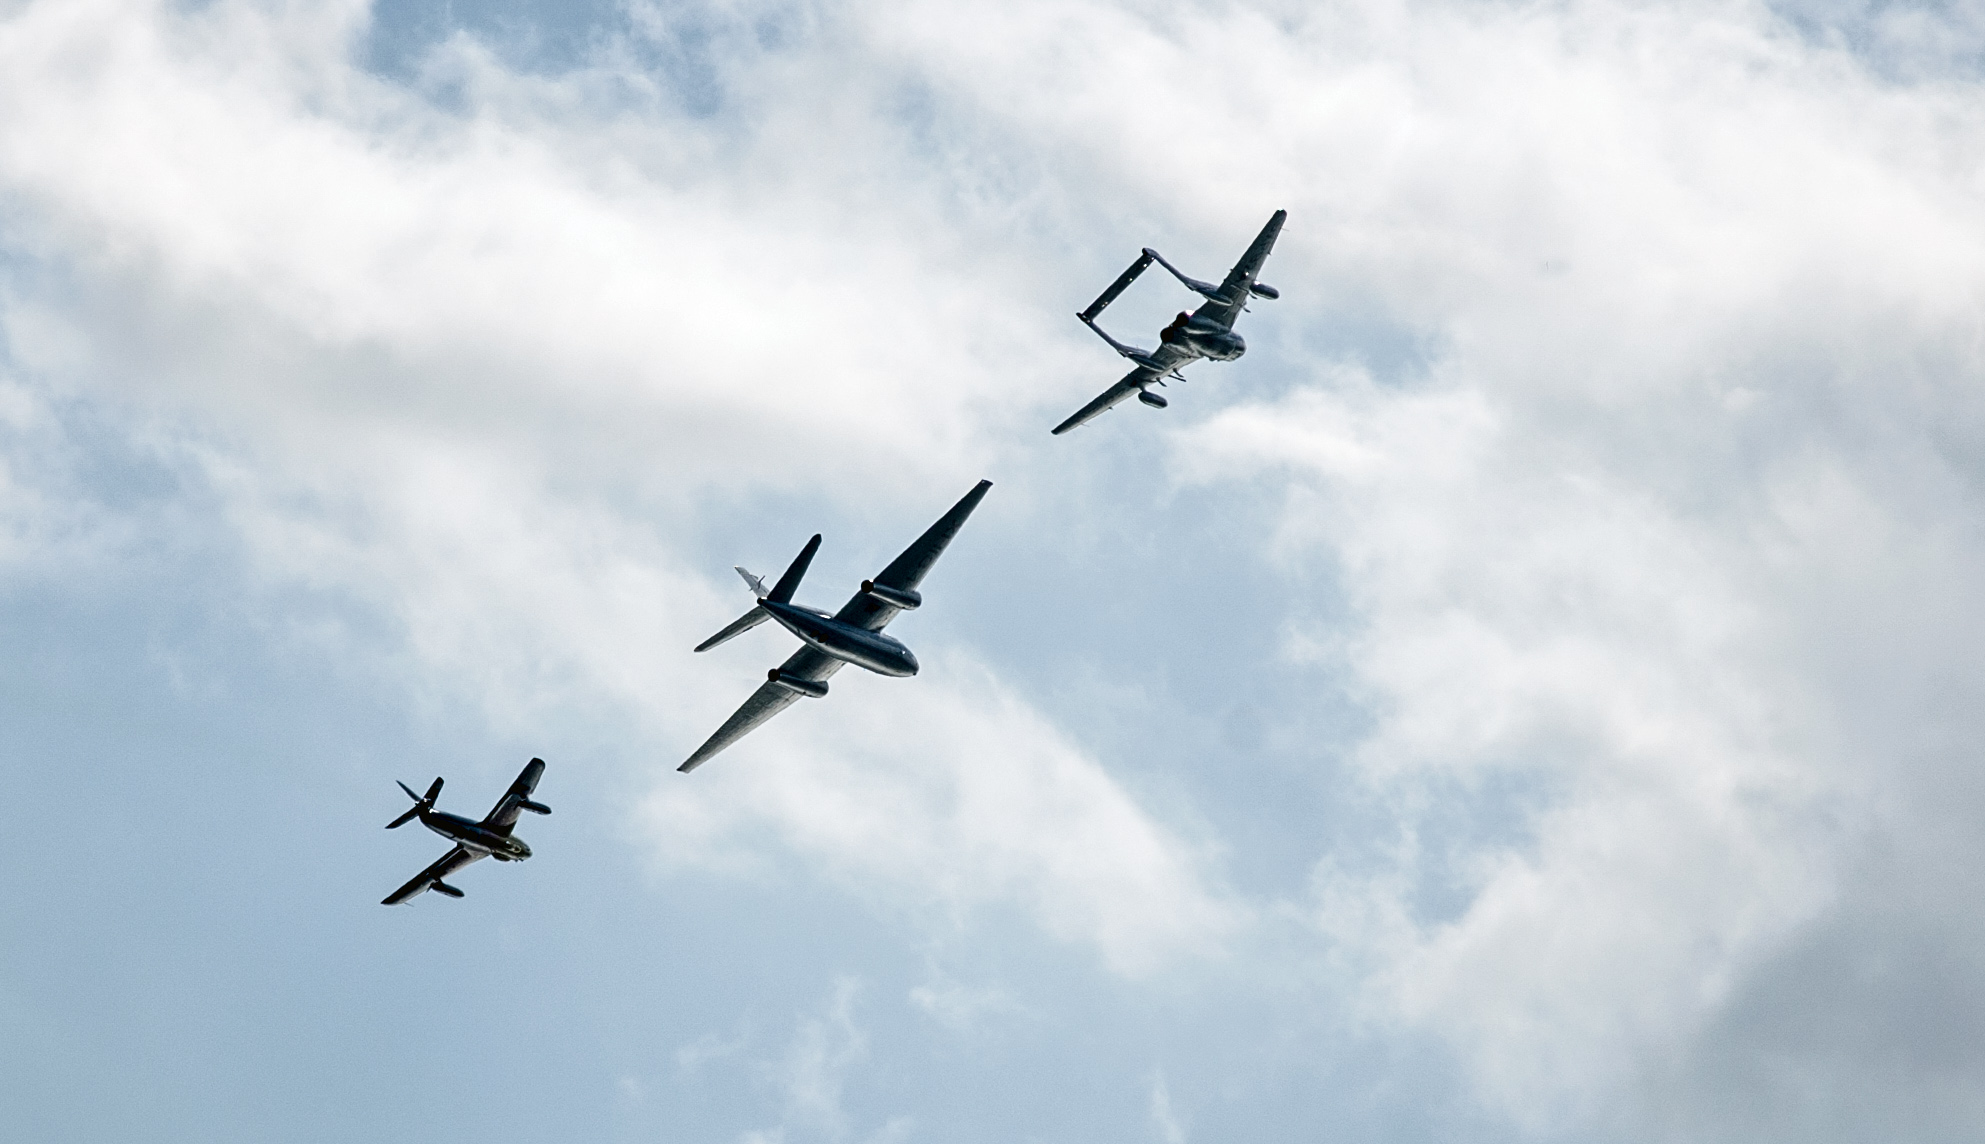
858	652
860	647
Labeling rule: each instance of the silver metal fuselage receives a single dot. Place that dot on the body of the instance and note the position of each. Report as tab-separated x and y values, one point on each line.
879	653
476	836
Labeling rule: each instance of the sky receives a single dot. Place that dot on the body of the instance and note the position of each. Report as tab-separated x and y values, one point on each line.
1532	696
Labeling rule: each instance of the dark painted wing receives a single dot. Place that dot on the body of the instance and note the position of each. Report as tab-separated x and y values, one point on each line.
1235	287
504	814
908	570
450	862
1109	397
767	701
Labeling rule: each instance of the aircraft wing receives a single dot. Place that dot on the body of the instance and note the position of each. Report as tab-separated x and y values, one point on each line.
1236	284
767	701
908	570
450	862
504	814
1133	381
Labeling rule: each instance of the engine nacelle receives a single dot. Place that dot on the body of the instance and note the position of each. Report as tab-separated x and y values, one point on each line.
1203	327
895	597
1154	400
1264	290
811	688
441	887
533	807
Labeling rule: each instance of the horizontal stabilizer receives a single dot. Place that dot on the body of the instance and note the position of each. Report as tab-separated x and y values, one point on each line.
744	623
755	583
1119	286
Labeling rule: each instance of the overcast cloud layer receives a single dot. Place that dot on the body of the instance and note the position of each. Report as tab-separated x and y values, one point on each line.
1531	696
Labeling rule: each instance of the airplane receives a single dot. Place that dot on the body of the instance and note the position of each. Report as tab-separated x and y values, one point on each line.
1207	332
474	841
851	635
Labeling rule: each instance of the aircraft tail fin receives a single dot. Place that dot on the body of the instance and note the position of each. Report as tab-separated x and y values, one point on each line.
782	592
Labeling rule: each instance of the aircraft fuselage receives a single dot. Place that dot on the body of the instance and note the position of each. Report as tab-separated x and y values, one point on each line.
1203	337
879	653
476	836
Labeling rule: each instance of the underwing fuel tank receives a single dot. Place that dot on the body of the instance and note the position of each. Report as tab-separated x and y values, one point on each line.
1155	401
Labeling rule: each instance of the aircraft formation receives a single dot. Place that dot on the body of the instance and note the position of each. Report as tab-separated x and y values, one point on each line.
854	635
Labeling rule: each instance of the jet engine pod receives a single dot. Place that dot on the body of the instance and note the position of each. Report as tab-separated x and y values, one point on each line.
895	597
1154	400
441	887
811	688
1264	290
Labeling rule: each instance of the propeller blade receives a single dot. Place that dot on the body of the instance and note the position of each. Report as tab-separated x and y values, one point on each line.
434	791
404	819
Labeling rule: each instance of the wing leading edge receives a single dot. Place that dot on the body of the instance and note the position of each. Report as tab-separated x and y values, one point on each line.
908	570
504	814
1236	286
1132	382
424	881
770	699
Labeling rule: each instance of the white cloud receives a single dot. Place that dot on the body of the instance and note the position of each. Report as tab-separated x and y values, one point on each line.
1624	383
1636	539
482	373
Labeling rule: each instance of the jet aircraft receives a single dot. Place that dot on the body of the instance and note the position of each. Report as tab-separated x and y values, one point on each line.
851	635
1207	332
474	841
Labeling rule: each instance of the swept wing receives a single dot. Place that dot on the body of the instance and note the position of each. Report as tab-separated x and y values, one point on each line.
1234	289
904	573
424	881
863	610
770	699
1132	382
503	816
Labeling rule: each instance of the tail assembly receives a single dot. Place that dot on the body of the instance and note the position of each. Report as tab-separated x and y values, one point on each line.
422	802
1119	286
1204	289
1088	316
781	593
